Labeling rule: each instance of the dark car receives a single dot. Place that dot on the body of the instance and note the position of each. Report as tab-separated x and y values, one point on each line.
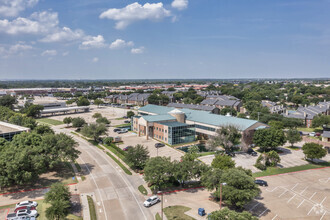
157	145
252	152
232	154
127	121
317	134
127	148
116	129
261	182
125	117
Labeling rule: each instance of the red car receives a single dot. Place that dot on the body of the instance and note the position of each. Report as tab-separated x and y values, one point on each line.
318	134
127	148
25	207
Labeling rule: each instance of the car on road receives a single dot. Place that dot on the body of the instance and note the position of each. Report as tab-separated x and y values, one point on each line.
27	204
158	145
127	148
261	182
20	214
252	152
151	201
116	129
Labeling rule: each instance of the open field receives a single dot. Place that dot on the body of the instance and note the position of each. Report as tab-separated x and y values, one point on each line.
49	121
302	195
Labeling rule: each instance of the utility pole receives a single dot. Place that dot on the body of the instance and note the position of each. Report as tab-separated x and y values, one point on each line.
221	193
258	115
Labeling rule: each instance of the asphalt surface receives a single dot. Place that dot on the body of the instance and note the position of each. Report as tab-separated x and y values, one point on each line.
116	194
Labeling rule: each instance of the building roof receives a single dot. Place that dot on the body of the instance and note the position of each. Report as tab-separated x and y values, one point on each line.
173	124
326	134
154	118
191	106
201	116
7	128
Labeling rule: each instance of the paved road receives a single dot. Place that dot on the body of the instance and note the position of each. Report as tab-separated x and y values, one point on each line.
115	193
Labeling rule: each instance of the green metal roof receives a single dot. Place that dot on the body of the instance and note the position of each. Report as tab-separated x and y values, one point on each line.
154	118
173	124
201	116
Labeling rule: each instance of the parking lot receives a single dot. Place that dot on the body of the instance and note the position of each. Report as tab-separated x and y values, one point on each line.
301	195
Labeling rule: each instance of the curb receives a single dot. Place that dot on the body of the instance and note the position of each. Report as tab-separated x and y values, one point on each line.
320	168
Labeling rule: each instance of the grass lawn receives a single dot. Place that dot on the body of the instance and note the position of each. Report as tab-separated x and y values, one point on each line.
42	206
294	148
177	212
158	217
119	118
142	190
123	125
275	170
92	210
49	121
7	206
205	154
304	129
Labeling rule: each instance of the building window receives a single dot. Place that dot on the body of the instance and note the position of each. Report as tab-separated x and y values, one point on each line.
165	139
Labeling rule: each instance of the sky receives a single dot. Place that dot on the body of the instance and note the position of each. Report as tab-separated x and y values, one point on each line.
164	39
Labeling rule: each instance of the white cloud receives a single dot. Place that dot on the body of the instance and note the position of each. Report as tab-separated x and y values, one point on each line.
49	53
93	42
11	8
137	50
66	53
135	12
95	60
64	34
119	43
18	48
37	23
180	4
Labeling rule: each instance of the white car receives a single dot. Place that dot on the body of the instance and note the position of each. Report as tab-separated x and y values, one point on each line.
312	134
151	201
26	203
23	214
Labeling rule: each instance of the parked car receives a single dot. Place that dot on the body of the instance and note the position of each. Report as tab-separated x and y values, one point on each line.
252	152
127	148
25	207
317	134
20	214
127	121
158	145
27	204
125	117
151	201
312	134
232	154
121	131
261	182
116	129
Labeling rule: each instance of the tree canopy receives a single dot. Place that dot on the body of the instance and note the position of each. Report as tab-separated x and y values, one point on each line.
314	151
227	214
293	136
137	156
227	137
94	130
269	138
223	162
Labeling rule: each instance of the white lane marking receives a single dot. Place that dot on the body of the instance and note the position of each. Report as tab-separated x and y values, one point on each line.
312	196
98	190
295	186
254	206
291	198
301	203
263	212
274	217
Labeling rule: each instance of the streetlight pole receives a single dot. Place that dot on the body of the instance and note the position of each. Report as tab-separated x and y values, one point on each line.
221	193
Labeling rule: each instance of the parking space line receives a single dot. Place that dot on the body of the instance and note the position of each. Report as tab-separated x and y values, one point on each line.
312	196
283	193
254	206
295	186
304	190
301	203
323	215
274	217
291	198
323	200
311	210
263	212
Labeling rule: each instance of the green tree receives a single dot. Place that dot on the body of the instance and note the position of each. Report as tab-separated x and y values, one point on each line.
223	162
67	120
59	199
98	102
103	120
227	137
276	124
43	129
22	120
108	140
97	115
158	171
211	179
32	110
187	169
130	114
240	188
137	156
269	138
226	110
82	101
78	122
7	101
273	158
320	120
227	214
293	136
314	151
94	130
